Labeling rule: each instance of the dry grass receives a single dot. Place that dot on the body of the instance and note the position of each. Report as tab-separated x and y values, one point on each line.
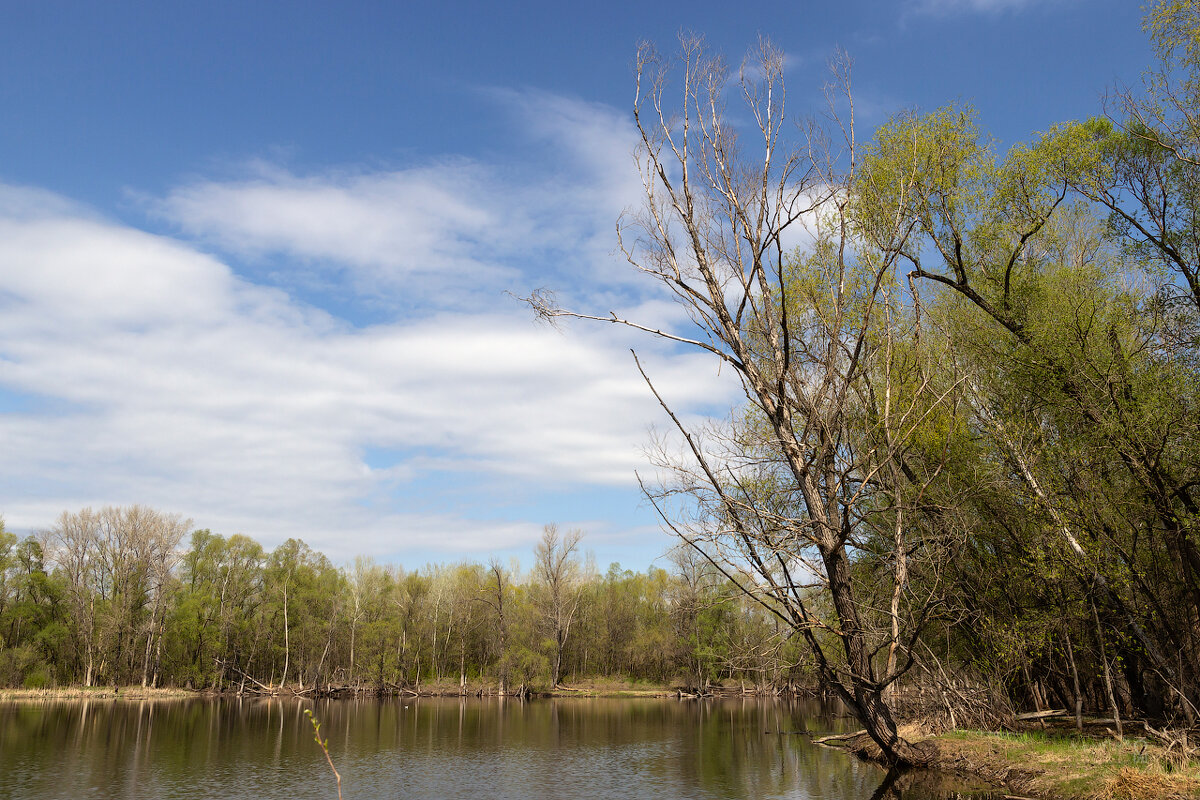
1131	783
95	693
1066	765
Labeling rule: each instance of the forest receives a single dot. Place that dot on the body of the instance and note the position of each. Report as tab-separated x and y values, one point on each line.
130	596
964	483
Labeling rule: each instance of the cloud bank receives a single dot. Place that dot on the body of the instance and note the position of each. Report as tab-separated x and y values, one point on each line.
167	369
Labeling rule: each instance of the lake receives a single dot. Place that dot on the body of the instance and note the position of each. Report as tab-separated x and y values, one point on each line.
499	749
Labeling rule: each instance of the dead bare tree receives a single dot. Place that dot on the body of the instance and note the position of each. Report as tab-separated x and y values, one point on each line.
494	594
556	568
72	546
158	551
790	501
117	564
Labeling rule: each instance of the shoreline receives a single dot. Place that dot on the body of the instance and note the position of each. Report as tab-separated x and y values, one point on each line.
604	689
1056	764
176	693
99	693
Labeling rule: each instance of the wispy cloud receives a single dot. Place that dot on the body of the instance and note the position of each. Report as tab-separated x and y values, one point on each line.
139	368
952	7
443	227
437	227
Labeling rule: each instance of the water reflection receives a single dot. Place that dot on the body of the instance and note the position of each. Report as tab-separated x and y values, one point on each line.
449	748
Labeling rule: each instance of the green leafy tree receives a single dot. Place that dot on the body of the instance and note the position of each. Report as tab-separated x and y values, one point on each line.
1073	337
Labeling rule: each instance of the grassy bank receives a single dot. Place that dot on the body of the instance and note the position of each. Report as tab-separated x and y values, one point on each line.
593	688
1062	764
95	693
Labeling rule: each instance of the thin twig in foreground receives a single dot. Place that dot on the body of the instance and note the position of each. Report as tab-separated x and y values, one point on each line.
324	748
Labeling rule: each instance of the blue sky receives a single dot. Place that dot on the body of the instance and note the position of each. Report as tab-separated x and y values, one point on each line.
254	256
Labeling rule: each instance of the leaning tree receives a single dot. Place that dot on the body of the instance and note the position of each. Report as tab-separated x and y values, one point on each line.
813	499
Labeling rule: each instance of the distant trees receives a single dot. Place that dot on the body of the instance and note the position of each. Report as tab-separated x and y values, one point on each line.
32	614
7	562
304	605
115	596
114	566
558	589
495	594
219	600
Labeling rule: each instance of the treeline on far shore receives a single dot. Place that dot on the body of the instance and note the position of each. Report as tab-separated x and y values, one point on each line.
133	596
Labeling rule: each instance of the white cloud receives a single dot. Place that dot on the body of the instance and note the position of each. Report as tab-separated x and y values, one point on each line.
432	226
137	368
162	377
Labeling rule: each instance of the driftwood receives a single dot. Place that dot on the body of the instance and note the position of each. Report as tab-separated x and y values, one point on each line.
840	737
1036	715
769	690
1172	739
271	690
398	689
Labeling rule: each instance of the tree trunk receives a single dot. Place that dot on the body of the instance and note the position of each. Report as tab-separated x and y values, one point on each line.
1075	679
557	659
149	642
158	655
901	578
287	647
1108	684
863	695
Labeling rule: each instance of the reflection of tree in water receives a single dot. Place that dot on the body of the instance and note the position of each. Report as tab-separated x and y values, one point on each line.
888	787
756	749
562	749
923	784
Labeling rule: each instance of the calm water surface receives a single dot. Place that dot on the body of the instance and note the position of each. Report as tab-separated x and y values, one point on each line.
568	749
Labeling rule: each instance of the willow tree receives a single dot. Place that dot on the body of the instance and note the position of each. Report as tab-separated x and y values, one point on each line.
1149	173
821	473
1076	352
